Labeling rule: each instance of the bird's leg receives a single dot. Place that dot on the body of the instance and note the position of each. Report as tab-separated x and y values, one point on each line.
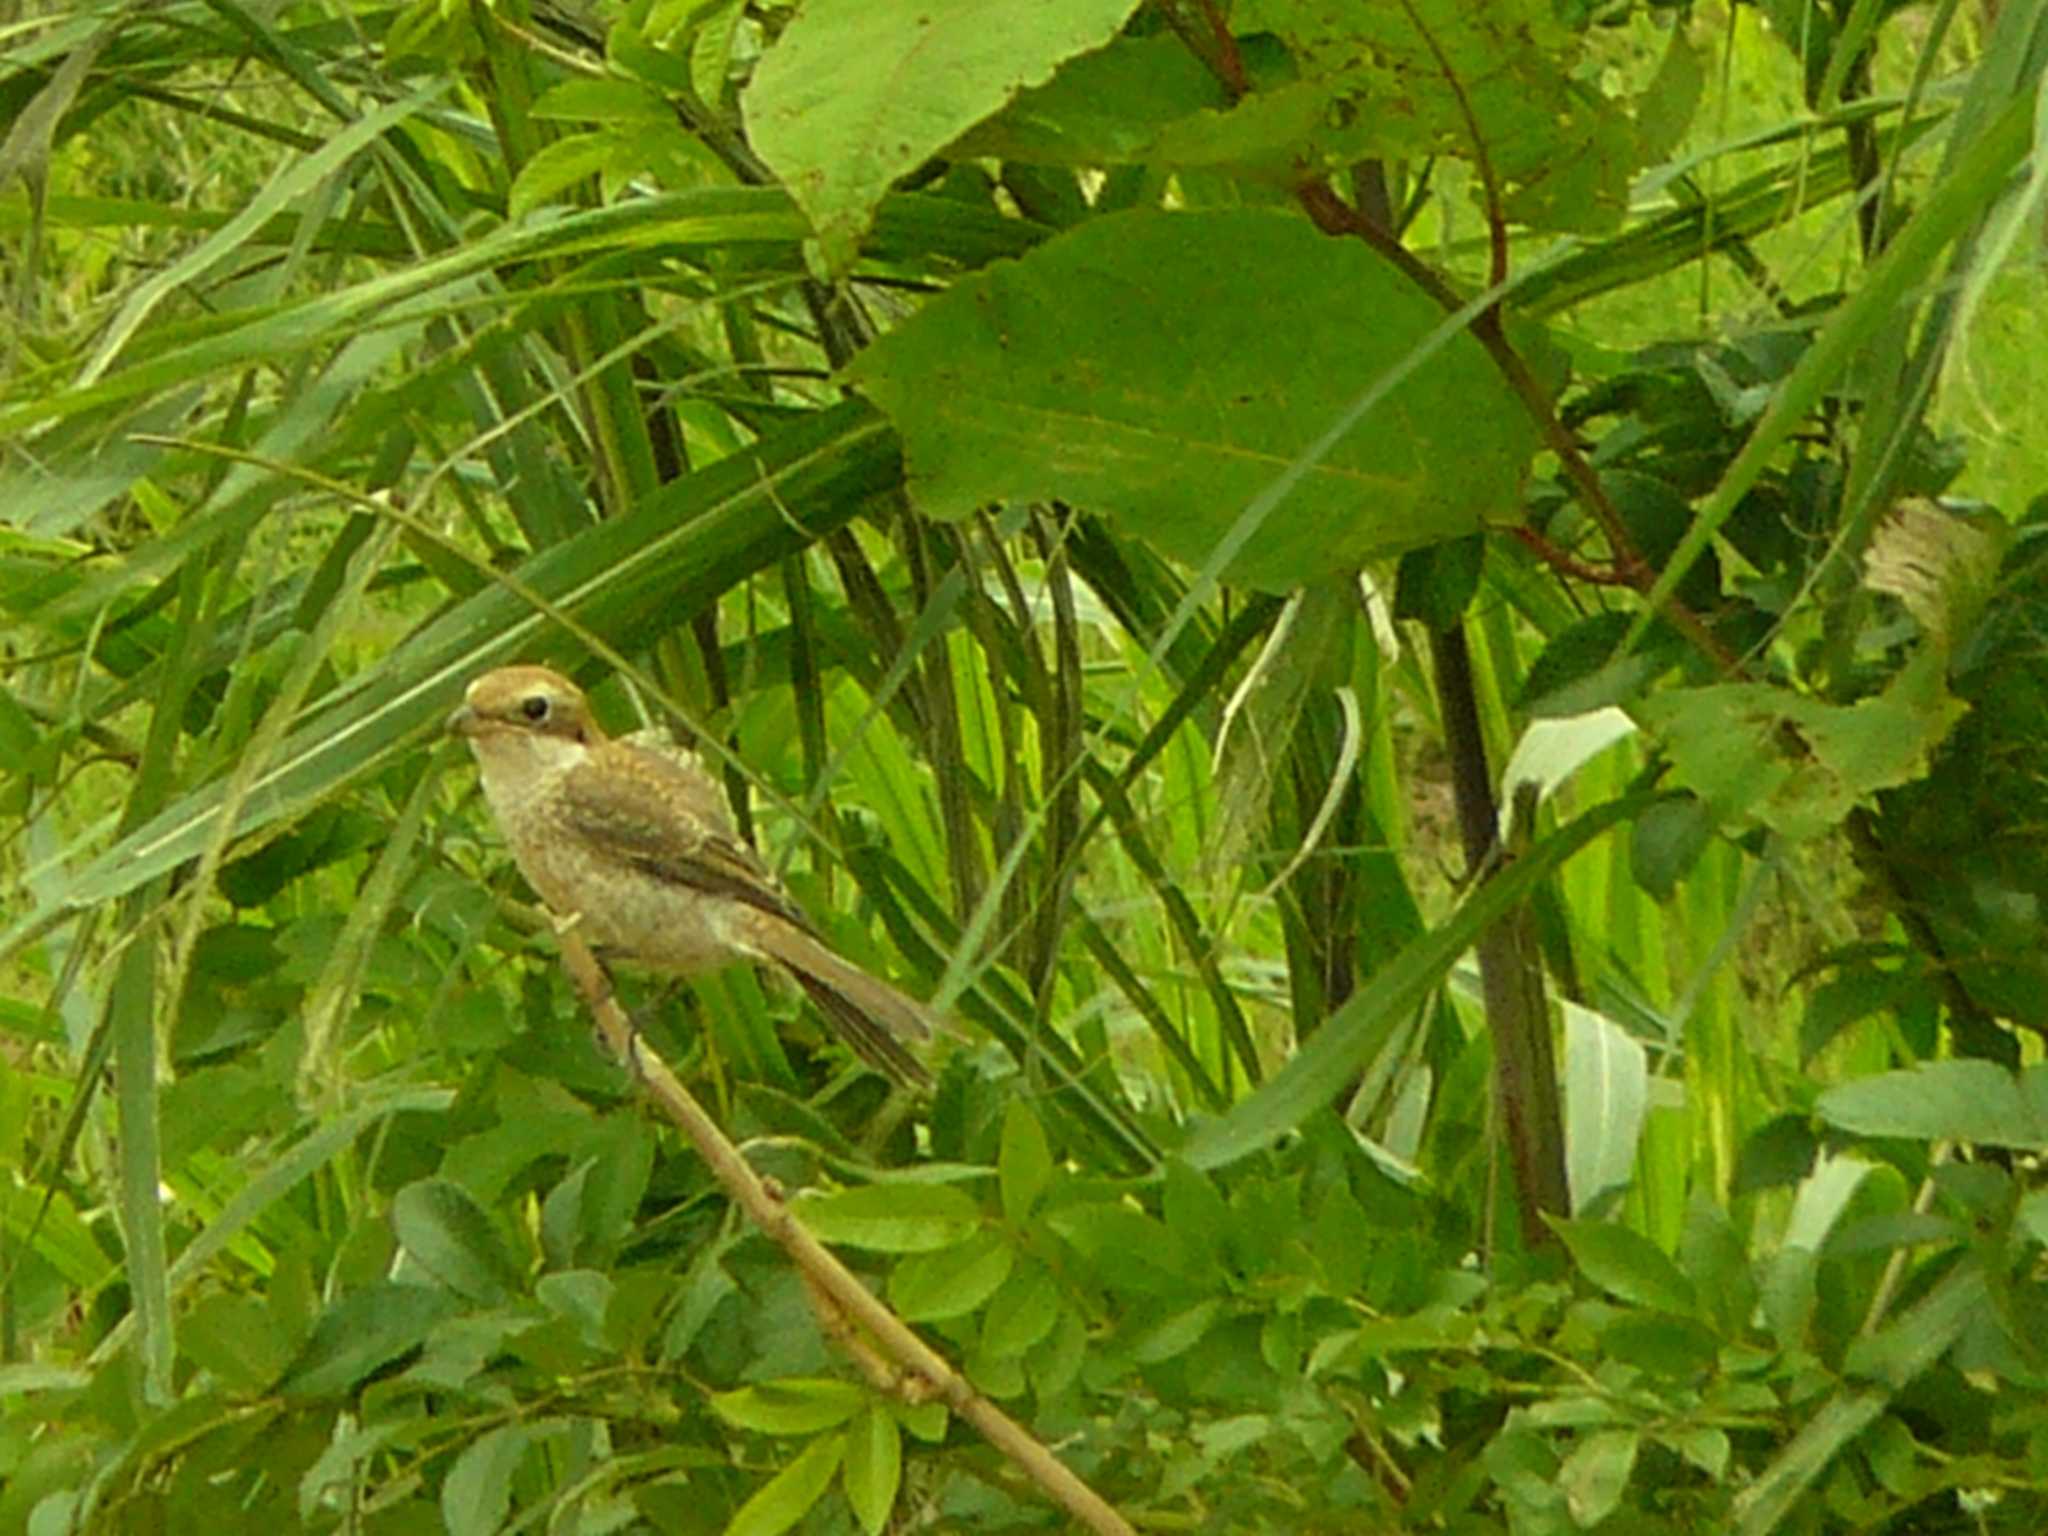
636	1019
565	923
611	991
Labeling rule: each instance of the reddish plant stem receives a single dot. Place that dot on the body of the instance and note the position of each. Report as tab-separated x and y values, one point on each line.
1333	215
1229	61
1489	184
1565	563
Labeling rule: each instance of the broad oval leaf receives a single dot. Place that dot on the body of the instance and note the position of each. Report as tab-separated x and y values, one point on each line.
874	1468
1169	368
1596	1474
1023	1311
477	1493
364	1331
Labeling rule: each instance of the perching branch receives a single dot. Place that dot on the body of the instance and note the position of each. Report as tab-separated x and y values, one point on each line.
851	1313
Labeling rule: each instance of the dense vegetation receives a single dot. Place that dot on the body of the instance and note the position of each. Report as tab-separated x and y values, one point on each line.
1425	619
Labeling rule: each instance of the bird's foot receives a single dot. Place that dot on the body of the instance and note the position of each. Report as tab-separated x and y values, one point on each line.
636	1019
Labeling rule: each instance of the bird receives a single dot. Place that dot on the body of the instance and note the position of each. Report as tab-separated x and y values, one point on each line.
634	845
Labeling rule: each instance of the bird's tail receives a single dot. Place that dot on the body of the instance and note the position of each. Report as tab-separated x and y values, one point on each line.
872	1016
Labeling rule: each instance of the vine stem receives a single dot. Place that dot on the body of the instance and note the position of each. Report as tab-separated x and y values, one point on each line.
838	1294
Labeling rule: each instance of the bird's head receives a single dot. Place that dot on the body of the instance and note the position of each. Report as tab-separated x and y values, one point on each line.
525	715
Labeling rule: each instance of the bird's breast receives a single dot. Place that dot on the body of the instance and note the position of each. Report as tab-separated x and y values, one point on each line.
617	905
630	913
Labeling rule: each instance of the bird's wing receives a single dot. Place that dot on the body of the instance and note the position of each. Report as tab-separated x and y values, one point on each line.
651	813
682	776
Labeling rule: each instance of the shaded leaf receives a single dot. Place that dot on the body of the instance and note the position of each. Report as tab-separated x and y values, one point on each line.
1676	1348
1021	1313
454	1240
1667	841
364	1331
1107	107
1436	584
1024	1167
1583	666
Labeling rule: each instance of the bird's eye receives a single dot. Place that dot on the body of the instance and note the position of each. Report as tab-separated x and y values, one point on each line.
535	707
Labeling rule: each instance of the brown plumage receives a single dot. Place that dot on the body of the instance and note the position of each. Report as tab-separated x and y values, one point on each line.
635	844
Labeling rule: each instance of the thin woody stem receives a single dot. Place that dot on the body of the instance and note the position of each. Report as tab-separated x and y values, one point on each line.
1565	563
1496	209
822	1272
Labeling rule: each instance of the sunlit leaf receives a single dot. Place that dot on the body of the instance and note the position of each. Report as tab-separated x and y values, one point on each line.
857	92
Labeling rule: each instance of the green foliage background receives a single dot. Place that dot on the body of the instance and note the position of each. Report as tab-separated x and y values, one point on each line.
1127	497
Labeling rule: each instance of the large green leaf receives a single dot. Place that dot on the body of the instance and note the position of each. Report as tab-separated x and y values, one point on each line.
1167	368
892	1218
451	1237
856	93
1628	1264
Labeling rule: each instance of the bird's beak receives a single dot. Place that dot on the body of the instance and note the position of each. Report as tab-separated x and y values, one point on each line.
463	722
